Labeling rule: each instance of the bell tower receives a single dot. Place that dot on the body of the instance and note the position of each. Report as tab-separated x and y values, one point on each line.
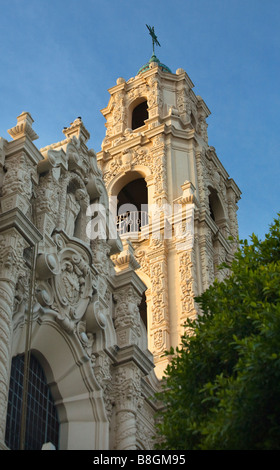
173	199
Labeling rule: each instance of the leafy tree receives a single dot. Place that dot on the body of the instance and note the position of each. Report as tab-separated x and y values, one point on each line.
222	386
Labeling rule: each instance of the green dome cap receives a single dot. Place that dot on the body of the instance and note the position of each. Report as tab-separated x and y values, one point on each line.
146	67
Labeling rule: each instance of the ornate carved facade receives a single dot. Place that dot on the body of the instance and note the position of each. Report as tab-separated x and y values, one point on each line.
98	312
62	299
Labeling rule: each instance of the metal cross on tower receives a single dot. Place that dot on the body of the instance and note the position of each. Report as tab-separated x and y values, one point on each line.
154	37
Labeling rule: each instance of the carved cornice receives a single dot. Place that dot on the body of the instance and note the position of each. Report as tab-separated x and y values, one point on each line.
24	144
185	134
125	279
16	219
212	156
134	354
126	260
231	184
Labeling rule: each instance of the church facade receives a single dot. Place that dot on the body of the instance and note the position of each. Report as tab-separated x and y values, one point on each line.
101	257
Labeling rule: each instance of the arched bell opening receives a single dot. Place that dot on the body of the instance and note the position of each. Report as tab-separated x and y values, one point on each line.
132	206
139	114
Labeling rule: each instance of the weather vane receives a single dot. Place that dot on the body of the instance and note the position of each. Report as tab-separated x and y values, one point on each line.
154	38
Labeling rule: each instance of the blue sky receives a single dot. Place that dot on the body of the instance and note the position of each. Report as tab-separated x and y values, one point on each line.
59	57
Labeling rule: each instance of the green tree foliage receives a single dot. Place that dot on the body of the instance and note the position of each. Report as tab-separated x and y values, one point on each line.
222	386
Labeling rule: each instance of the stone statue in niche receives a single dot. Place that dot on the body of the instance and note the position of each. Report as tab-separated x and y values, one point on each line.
74	203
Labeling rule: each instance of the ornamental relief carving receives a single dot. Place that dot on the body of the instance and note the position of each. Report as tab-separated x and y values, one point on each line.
202	177
100	250
103	375
65	286
137	92
159	302
47	195
159	341
145	434
214	176
155	162
17	184
155	93
11	255
21	297
202	126
127	387
143	260
207	259
187	107
127	311
73	286
77	156
186	284
18	176
210	176
119	113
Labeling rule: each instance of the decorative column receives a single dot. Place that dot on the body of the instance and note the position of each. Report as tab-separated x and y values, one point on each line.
127	396
11	246
17	232
160	321
132	361
186	254
15	235
232	200
206	254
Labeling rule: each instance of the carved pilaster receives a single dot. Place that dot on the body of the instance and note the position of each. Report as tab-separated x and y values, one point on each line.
127	316
187	287
207	260
127	394
232	214
201	177
21	157
16	234
11	251
128	292
159	329
17	183
155	97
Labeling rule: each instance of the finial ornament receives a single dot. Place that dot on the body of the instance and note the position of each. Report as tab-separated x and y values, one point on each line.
154	37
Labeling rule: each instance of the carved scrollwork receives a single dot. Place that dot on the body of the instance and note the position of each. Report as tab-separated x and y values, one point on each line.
68	292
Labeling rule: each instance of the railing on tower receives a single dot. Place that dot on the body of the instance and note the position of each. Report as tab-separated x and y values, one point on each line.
131	222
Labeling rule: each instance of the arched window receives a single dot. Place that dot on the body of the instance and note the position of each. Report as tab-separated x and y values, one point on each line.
42	423
139	115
